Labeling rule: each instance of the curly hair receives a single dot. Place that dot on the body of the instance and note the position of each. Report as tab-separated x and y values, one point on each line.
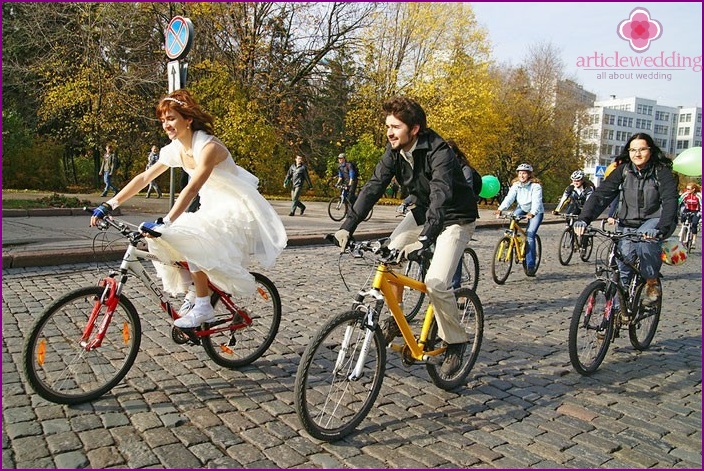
182	102
406	110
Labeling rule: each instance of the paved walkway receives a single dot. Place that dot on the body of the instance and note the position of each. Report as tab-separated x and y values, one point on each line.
39	237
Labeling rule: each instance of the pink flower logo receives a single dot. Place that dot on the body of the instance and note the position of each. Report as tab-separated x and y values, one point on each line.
639	29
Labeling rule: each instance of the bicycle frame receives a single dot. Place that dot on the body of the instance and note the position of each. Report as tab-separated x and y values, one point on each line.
382	289
611	274
384	281
131	264
518	240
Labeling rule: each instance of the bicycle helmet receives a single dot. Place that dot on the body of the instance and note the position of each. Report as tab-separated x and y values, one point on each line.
673	252
526	167
577	175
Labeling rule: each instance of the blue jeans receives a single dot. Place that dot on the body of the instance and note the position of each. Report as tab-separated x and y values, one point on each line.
107	178
648	252
531	231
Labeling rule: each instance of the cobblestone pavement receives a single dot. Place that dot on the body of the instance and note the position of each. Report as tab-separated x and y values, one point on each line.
523	406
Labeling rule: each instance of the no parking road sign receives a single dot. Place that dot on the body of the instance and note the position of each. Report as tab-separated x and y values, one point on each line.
179	38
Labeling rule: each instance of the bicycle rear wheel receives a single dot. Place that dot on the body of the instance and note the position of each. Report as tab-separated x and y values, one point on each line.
240	346
642	329
337	209
56	362
502	261
591	328
566	247
472	320
328	401
470	269
585	251
369	216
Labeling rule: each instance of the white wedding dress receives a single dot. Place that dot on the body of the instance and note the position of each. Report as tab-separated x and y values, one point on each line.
233	225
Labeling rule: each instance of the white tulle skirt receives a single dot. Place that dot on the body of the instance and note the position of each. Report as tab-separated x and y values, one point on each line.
234	226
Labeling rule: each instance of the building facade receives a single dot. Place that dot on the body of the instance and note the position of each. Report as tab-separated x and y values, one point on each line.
610	123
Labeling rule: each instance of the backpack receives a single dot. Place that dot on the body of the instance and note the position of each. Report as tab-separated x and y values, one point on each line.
475	183
353	166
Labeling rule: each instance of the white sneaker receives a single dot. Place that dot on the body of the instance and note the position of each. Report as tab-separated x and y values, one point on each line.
197	315
187	305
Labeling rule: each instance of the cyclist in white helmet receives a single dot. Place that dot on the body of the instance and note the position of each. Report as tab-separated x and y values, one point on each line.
575	194
527	192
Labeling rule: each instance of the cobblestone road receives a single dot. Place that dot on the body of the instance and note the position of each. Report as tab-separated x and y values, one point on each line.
523	406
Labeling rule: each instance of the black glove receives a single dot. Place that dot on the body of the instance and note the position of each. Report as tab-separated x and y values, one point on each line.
101	211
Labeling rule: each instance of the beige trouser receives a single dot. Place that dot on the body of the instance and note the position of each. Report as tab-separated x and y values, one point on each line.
449	248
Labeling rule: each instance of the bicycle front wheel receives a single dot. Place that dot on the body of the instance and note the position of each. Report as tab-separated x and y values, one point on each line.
337	209
502	261
470	269
240	345
472	320
591	328
369	216
642	329
330	401
413	299
566	248
56	361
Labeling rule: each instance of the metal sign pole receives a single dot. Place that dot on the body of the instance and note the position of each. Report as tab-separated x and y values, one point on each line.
177	43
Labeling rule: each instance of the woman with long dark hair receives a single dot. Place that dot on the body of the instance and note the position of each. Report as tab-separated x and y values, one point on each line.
647	204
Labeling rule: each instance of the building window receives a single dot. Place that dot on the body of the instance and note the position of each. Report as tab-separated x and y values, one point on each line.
662	116
661	129
682	144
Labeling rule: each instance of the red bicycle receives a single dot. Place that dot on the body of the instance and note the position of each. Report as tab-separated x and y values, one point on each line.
86	341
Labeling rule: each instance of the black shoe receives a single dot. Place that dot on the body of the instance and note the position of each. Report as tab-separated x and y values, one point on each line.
292	213
453	359
389	329
105	193
530	272
303	210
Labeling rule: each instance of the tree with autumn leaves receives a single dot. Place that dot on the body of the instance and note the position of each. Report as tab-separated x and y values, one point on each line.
280	78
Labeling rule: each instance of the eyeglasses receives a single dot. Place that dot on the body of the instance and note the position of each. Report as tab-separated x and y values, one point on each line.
638	151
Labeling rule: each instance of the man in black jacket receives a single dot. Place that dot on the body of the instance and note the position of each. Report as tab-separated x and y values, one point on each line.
445	212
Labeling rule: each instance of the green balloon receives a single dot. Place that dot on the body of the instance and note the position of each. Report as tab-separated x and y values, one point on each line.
689	162
490	186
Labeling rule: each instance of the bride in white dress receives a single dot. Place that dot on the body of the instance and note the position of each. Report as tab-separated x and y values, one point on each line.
233	225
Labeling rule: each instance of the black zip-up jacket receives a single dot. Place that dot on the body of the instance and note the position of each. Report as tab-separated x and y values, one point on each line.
443	196
645	194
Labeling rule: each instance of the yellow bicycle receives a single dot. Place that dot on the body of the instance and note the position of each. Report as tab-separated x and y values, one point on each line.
512	247
341	371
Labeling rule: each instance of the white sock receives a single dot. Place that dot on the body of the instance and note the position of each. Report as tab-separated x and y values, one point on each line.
191	295
204	301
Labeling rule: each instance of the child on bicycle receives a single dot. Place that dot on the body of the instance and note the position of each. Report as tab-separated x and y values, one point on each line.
691	202
527	192
647	204
234	221
445	211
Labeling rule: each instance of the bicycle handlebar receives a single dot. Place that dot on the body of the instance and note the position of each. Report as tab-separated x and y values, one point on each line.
615	236
123	227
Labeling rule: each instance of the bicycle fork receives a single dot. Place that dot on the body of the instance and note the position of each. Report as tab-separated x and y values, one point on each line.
109	299
370	320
